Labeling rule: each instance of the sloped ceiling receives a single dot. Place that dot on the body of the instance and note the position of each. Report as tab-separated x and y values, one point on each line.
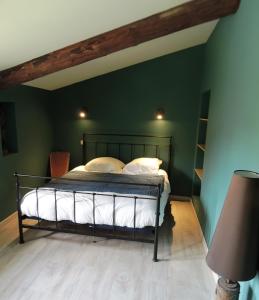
30	28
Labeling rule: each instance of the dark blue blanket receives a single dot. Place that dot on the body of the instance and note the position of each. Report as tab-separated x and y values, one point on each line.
146	185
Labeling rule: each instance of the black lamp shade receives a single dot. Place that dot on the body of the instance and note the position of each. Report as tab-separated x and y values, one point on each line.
234	249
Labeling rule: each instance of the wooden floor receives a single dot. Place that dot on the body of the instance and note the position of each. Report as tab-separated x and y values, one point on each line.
64	266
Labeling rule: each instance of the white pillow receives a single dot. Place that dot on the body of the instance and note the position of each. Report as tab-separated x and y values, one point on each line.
105	165
143	165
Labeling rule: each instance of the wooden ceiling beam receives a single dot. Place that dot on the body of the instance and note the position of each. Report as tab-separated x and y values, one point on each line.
172	20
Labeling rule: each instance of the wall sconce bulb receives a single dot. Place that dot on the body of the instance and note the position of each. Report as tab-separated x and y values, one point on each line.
82	113
160	114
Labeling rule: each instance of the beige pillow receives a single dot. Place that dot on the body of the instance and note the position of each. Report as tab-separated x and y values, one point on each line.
105	165
143	165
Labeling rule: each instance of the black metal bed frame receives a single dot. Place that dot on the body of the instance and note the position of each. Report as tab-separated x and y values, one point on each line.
94	229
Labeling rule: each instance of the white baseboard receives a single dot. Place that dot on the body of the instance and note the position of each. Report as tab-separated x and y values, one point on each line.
204	244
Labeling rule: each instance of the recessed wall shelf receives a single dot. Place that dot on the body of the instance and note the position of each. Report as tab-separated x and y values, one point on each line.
202	146
198	172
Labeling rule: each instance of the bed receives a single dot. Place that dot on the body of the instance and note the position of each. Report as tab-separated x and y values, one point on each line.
117	204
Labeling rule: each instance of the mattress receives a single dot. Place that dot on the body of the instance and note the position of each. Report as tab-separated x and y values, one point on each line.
82	212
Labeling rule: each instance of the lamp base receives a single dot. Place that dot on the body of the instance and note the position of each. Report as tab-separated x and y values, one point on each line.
227	290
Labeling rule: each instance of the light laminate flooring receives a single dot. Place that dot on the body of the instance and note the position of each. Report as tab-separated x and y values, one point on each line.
65	266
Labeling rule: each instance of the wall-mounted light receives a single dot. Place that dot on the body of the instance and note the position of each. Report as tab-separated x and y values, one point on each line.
160	113
82	113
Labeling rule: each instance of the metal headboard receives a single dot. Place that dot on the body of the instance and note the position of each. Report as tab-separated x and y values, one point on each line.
127	147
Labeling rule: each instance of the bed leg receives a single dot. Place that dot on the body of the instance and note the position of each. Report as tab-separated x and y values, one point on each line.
155	246
21	239
157	224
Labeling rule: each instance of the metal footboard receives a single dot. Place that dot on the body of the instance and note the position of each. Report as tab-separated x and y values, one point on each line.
93	229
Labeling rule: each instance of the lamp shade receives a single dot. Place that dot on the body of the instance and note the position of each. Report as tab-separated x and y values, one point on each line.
234	249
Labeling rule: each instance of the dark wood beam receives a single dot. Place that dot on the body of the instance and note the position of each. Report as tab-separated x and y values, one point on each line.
172	20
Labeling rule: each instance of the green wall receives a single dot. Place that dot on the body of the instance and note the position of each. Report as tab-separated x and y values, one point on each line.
232	74
125	101
34	137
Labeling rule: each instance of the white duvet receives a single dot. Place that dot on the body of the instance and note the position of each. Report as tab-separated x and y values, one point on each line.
124	207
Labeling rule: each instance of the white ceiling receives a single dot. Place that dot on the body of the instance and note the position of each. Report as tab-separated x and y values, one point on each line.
30	28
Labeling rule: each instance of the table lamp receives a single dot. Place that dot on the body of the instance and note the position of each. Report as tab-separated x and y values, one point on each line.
233	253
